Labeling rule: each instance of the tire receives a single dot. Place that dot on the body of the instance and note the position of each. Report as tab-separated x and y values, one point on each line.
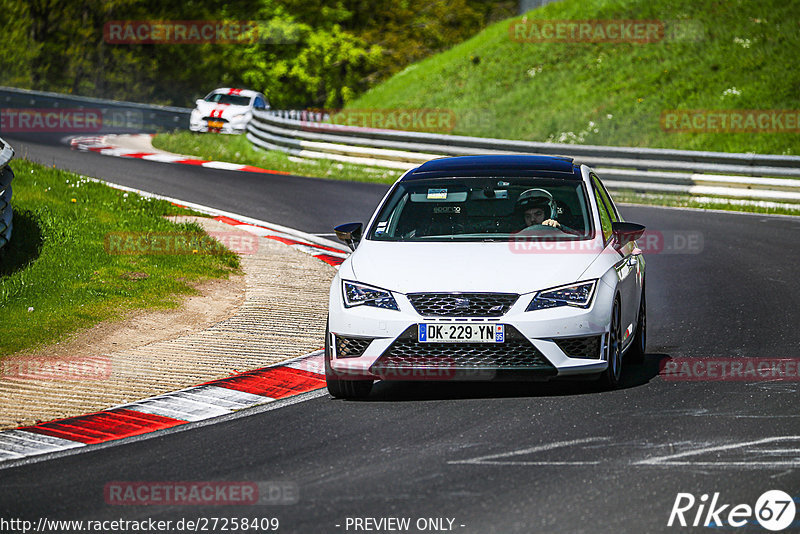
341	388
638	348
610	378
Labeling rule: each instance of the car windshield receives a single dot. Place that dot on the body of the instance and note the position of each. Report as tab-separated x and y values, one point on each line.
483	209
233	100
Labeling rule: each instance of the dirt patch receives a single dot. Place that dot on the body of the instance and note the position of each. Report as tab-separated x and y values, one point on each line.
218	300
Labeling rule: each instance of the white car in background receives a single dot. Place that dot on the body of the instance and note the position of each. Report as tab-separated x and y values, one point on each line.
226	110
487	268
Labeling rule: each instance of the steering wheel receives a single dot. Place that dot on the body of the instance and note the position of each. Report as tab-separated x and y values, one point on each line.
540	229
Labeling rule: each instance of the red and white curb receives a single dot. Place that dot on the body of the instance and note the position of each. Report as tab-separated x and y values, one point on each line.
103	145
329	255
325	250
205	401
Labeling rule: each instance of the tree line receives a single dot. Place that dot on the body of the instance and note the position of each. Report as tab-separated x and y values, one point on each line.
307	53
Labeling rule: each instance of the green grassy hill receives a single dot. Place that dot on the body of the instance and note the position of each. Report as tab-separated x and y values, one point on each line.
732	55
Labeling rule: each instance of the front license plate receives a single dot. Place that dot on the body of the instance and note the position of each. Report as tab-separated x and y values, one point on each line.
215	124
461	333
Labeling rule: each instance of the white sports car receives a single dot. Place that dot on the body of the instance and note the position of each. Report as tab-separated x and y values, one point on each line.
226	110
487	268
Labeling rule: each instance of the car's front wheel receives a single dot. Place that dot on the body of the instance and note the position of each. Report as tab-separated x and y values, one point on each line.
611	377
339	387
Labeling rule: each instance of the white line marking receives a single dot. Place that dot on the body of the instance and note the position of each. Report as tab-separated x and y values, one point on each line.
308	249
27	443
119	152
312	364
222	165
490	459
163	158
42	438
671	459
178	408
223	397
744	465
16	446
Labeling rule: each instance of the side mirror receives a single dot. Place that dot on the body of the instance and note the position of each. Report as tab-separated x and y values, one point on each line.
625	232
350	233
199	101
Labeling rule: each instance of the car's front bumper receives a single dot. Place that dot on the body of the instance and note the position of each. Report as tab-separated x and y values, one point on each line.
201	125
541	344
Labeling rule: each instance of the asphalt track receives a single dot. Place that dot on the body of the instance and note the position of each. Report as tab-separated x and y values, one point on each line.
555	457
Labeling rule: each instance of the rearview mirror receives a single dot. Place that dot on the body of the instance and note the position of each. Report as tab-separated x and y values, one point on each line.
350	233
625	232
199	101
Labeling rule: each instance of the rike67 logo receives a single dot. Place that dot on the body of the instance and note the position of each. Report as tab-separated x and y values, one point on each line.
774	510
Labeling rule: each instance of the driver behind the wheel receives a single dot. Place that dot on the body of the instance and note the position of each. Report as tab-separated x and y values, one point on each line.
538	208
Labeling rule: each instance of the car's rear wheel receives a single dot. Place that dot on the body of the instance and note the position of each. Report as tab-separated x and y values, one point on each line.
636	353
339	387
610	378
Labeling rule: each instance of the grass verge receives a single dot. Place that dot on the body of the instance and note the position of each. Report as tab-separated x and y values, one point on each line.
237	149
56	275
724	56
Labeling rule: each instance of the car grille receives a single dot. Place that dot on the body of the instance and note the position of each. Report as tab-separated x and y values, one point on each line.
216	119
462	304
580	347
351	347
516	352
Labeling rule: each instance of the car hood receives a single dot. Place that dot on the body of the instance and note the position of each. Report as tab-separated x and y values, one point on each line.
225	111
453	267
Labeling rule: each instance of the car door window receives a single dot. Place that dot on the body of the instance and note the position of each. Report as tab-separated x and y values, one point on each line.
605	219
612	209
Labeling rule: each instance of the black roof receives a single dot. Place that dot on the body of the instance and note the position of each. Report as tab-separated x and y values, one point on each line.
502	165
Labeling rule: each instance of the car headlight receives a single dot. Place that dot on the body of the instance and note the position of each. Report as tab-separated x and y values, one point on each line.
578	295
356	294
239	117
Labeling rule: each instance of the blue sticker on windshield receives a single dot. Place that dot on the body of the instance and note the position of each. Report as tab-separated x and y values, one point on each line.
437	194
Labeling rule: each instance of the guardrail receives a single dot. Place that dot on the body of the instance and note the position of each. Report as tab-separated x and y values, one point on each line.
755	176
6	175
115	116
